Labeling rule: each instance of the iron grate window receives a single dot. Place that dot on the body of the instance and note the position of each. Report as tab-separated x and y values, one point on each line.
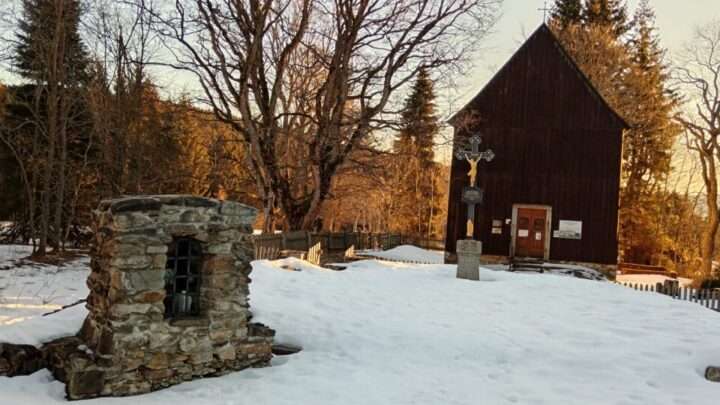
182	278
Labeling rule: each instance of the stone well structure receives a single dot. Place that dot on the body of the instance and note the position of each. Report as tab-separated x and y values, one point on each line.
168	298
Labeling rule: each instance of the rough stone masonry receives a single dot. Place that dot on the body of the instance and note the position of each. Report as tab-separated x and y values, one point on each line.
128	343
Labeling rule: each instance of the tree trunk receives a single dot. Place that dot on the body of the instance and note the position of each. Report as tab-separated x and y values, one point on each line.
707	248
61	178
47	179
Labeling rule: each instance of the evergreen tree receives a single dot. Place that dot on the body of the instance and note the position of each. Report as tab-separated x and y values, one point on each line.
415	143
38	32
647	148
610	14
51	55
566	12
627	68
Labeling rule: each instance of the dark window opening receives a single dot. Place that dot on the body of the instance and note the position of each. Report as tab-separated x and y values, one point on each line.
182	278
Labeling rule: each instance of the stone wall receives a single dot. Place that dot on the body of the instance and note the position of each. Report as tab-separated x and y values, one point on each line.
128	345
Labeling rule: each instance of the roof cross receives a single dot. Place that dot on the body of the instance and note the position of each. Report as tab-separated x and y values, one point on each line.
545	9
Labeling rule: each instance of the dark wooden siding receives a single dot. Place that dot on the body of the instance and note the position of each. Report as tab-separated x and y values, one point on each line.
556	143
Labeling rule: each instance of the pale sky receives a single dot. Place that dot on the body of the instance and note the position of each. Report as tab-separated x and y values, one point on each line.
676	21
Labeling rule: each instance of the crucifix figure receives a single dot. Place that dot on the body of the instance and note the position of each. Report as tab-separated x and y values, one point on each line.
473	195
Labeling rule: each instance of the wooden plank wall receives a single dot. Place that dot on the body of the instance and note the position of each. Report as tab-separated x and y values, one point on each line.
556	143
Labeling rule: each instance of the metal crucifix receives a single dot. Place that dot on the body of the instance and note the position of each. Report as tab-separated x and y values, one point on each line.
473	195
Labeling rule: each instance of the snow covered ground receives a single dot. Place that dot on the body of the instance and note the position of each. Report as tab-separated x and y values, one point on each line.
406	253
9	253
28	291
395	333
650	279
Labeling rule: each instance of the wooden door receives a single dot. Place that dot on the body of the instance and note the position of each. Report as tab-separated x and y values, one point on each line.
530	232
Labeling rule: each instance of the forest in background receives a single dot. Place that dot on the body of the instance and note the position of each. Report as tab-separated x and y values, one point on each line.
88	122
321	127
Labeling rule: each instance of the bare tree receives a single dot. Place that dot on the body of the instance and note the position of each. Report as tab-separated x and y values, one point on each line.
699	74
247	58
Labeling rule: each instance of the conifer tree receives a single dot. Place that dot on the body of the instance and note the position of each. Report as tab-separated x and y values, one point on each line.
627	68
566	12
610	14
647	147
51	56
414	146
38	32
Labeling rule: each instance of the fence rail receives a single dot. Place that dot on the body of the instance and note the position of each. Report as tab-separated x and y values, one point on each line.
707	297
271	246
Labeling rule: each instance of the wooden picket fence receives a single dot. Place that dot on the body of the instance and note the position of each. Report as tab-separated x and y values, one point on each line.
314	253
271	246
707	297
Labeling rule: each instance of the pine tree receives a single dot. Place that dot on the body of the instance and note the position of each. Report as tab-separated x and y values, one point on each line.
37	32
37	29
628	70
566	12
647	147
51	55
610	14
414	146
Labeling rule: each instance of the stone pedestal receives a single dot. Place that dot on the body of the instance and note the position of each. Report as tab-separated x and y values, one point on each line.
468	259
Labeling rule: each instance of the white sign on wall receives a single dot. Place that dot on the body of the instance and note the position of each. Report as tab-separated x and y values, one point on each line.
569	230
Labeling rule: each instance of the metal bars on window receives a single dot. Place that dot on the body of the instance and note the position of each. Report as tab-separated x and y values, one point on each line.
182	278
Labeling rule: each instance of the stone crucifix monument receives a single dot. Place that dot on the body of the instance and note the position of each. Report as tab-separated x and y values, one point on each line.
468	249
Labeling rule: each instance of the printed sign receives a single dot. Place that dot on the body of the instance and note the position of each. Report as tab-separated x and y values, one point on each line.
569	230
538	235
497	231
472	195
523	233
497	223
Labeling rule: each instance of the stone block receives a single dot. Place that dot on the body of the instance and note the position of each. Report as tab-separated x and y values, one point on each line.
155	375
156	249
131	262
85	384
226	352
158	361
180	229
219	264
188	344
201	357
20	359
123	310
237	209
191	216
468	257
713	374
139	281
149	297
258	329
221	335
220	248
132	220
134	204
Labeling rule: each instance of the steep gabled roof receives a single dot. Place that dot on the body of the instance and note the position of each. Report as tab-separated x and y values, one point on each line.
544	30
